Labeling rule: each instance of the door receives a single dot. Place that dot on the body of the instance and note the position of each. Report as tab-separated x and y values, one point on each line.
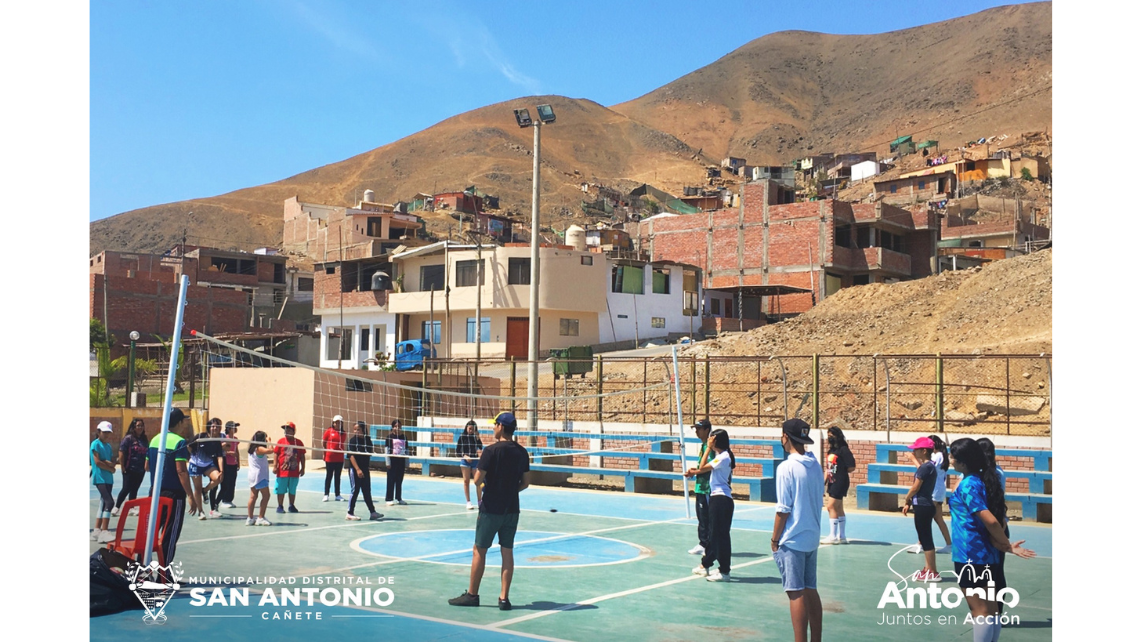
517	338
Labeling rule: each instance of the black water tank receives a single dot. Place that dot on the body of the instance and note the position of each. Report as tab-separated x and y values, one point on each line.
380	281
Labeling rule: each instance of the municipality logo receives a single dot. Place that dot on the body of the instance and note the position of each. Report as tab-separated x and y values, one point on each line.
154	586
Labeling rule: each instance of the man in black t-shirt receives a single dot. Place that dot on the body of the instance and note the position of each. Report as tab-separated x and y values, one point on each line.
503	471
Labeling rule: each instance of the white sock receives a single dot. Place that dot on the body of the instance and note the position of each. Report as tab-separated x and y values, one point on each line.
841	526
833	528
980	632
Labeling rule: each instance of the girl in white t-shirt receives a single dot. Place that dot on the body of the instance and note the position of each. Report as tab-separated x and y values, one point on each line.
258	468
940	459
721	507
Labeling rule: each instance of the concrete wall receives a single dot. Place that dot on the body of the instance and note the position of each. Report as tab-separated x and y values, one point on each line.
641	309
149	306
382	337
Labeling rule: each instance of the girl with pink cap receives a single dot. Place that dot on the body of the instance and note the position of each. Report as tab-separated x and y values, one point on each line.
919	500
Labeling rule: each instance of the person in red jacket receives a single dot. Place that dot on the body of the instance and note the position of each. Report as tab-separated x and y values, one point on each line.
289	465
334	440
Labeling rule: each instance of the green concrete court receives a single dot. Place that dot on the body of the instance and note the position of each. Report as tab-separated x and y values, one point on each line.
606	565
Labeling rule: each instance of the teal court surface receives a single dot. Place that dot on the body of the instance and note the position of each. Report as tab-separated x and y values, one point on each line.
590	565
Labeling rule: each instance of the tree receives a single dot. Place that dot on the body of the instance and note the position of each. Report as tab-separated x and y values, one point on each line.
100	388
1026	174
99	334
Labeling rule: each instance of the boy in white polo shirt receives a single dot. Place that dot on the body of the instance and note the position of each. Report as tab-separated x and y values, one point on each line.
797	528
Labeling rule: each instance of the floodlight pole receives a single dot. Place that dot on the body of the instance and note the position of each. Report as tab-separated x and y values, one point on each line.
533	298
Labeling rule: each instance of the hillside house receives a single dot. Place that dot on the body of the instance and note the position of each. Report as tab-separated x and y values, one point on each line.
351	298
819	246
733	163
323	233
779	173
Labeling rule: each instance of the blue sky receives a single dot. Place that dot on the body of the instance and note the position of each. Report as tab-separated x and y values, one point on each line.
195	99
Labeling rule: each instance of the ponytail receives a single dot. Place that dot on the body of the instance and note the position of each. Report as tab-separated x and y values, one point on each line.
972	455
941	448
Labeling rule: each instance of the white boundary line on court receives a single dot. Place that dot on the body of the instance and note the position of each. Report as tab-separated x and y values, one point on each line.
288	531
610	596
643	552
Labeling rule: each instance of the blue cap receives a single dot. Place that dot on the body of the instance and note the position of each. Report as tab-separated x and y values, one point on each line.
507	420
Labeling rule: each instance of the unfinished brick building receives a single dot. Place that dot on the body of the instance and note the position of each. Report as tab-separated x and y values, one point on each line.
820	246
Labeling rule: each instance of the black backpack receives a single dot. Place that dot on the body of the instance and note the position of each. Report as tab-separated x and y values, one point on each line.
109	592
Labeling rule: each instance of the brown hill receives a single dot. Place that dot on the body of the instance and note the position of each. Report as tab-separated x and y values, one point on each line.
798	93
771	100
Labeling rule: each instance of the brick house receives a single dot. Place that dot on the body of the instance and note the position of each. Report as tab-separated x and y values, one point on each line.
322	233
818	247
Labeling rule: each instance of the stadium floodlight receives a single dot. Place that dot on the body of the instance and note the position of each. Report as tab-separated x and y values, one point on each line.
546	114
523	117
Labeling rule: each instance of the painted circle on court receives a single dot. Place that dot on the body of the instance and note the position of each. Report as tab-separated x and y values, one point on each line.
533	549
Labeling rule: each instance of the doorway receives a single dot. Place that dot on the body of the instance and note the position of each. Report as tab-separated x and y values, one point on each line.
517	342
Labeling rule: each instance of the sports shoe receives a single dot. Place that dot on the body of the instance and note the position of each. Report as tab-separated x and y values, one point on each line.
924	575
202	516
341	499
505	605
227	504
215	514
115	511
262	521
946	548
701	570
470	506
106	536
134	511
293	509
352	518
402	502
828	541
376	515
250	521
465	599
95	534
717	576
325	498
697	550
915	548
840	540
390	503
281	509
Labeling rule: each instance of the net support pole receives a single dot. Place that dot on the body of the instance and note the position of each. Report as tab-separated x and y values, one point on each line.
152	519
681	429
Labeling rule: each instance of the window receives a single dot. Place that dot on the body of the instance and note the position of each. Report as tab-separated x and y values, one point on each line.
305	285
660	281
657	322
716	307
586	260
430	331
626	279
431	278
519	271
485	330
921	185
569	327
730	308
892	189
331	270
364	340
356	385
860	279
466	274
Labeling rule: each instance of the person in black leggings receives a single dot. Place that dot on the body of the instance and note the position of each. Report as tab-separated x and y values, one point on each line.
223	494
360	449
919	500
133	462
395	444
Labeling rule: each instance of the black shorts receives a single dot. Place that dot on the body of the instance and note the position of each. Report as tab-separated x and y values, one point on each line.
838	488
977	576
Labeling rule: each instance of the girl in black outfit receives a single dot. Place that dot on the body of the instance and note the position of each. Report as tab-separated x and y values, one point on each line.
839	463
395	444
133	461
468	447
361	448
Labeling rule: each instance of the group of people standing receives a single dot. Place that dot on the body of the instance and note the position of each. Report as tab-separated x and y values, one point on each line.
358	450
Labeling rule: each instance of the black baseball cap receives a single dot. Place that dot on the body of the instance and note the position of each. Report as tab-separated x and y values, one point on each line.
797	430
702	424
232	424
175	417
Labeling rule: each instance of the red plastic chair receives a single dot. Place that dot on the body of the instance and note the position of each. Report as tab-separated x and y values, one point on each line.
136	548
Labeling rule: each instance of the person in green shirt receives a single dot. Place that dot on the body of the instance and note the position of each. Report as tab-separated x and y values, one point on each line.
702	489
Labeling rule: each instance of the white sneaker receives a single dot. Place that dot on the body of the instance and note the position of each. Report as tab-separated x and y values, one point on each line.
250	521
228	504
697	550
375	515
915	548
716	576
202	516
470	506
840	540
106	536
390	503
115	511
134	511
352	518
701	570
95	534
402	502
945	549
325	498
341	499
215	514
262	521
828	541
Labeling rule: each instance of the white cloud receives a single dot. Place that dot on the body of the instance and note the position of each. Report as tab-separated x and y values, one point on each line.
340	36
